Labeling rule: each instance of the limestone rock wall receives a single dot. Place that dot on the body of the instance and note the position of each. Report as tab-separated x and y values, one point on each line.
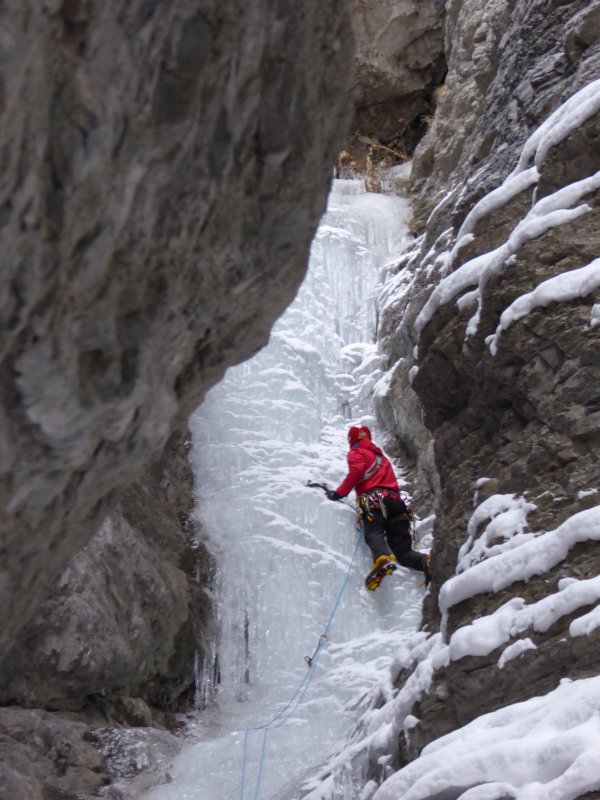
48	757
163	170
508	65
130	612
400	60
528	417
164	167
118	646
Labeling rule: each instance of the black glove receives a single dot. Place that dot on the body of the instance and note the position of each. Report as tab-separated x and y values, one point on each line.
333	495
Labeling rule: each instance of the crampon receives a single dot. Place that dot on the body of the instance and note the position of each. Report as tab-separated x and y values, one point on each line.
384	565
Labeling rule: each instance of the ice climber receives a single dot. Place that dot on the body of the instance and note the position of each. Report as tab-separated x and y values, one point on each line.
385	515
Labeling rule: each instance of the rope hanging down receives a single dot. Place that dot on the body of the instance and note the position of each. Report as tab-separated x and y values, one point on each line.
295	700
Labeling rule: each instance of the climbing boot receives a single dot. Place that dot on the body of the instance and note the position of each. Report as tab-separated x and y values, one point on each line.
384	565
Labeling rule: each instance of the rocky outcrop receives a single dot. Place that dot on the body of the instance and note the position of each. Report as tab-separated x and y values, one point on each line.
500	396
509	65
49	757
130	616
120	642
164	168
400	61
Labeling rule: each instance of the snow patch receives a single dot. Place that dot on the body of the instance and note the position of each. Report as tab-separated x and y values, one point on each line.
485	634
542	749
514	651
567	117
550	212
512	186
559	289
520	558
508	515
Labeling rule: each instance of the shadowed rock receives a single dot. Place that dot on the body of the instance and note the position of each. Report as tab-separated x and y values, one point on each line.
164	168
400	60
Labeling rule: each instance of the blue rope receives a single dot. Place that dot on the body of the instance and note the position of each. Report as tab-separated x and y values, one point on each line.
282	717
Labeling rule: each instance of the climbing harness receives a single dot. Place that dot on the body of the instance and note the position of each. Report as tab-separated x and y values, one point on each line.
364	507
375	499
312	661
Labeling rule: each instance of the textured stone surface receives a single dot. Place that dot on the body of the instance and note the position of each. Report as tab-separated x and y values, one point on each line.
135	758
47	757
399	62
50	756
163	169
528	418
509	65
399	409
129	615
119	638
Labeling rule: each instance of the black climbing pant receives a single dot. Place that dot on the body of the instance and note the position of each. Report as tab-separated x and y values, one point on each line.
392	535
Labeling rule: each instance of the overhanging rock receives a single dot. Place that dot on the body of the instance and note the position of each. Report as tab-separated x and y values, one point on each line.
164	168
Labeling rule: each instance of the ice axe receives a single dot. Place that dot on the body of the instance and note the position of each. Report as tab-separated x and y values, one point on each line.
325	488
314	485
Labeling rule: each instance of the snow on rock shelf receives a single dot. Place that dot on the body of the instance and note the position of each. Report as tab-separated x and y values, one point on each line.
521	557
492	330
562	288
545	748
551	211
392	703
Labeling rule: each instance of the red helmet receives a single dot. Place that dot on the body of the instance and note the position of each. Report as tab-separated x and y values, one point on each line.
358	432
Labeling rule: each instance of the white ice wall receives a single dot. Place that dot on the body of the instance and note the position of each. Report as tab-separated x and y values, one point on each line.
283	549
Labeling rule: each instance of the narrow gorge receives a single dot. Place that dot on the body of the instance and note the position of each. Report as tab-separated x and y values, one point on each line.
166	168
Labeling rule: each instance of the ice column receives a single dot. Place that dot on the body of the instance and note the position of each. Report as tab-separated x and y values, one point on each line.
282	549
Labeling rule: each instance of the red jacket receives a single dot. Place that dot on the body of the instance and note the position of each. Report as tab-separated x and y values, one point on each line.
362	459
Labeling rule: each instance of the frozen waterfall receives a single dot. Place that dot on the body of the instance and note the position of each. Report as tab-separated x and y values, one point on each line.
282	549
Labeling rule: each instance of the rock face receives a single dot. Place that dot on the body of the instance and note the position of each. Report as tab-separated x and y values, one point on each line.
49	757
515	400
400	60
508	66
164	168
116	648
130	616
